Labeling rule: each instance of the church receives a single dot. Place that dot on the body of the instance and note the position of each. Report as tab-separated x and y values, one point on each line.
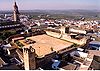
15	23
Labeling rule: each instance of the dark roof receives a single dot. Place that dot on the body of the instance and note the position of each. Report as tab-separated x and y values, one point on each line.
95	43
10	67
95	63
70	67
96	58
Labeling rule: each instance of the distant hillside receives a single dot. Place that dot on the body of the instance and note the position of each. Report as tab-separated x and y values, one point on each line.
83	13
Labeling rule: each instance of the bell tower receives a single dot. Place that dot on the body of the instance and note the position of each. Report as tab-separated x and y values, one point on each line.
15	12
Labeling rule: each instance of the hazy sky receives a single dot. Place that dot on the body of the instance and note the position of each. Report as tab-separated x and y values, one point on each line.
50	4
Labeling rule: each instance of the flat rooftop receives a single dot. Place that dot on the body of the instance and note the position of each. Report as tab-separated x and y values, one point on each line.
44	44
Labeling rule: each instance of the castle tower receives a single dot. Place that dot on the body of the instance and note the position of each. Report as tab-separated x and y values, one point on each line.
29	58
15	12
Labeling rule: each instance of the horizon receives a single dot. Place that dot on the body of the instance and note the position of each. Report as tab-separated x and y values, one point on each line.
40	10
55	10
51	4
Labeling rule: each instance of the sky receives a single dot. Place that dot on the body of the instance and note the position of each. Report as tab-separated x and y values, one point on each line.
51	4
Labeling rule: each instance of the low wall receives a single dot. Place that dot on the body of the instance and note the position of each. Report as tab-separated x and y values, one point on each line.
66	37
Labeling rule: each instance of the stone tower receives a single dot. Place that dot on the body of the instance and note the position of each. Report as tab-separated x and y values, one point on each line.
29	58
15	12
